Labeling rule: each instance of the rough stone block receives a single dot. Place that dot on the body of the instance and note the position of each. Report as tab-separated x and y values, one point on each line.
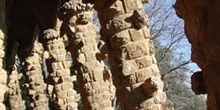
146	32
87	66
56	79
136	35
106	95
70	99
72	106
89	40
57	65
88	87
61	101
119	39
152	86
130	80
61	73
32	72
65	64
62	94
90	56
85	49
133	4
87	77
81	58
67	85
149	87
120	23
71	92
94	106
135	50
114	10
143	62
66	79
50	88
97	75
155	70
97	98
160	97
143	74
156	107
32	92
129	67
38	88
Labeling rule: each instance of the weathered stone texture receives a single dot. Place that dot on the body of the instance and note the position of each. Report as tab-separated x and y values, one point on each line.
14	92
3	75
34	79
63	95
202	27
94	79
131	55
125	41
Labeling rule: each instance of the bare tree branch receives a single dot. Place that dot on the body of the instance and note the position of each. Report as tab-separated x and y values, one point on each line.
179	66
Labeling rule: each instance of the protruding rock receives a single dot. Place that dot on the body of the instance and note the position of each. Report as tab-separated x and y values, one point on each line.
198	83
152	85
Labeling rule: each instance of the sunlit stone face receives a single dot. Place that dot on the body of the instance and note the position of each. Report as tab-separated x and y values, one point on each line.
85	17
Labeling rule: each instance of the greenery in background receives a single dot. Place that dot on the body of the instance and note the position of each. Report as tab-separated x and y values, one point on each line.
176	85
172	52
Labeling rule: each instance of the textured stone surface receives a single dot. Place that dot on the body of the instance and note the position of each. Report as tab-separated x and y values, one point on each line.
15	99
34	79
135	73
96	88
3	75
126	43
202	29
63	95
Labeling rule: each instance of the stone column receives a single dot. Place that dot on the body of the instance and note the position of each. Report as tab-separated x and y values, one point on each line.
60	82
3	75
14	93
34	78
93	77
133	64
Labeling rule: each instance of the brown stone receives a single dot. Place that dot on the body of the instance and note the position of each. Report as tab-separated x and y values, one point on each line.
129	67
202	25
120	39
144	62
136	35
198	83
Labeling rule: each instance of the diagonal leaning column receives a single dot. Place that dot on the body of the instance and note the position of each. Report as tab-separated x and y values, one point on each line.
3	75
131	56
63	95
94	79
36	86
